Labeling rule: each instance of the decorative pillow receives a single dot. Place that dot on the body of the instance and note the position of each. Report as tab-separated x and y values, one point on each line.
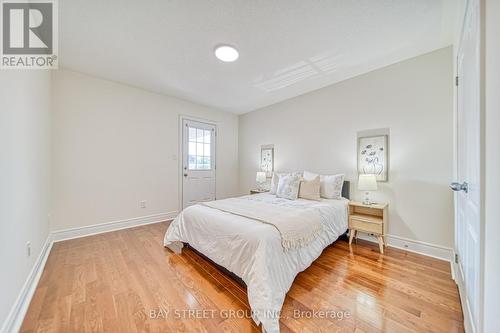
310	189
274	183
331	185
276	178
288	187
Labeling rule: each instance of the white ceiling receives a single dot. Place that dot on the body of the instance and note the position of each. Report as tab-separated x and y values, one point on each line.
287	47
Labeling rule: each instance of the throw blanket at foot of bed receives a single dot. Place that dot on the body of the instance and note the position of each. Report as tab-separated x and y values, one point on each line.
298	227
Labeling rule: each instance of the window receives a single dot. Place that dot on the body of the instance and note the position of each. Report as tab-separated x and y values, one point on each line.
199	149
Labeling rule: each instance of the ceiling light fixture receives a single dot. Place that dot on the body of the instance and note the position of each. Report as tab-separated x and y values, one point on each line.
226	53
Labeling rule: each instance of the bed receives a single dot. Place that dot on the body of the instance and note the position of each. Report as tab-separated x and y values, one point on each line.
253	250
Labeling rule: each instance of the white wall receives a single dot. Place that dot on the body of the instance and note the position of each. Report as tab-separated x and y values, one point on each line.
317	131
24	177
491	320
115	145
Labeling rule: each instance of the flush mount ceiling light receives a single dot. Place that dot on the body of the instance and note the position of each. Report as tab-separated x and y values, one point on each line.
226	53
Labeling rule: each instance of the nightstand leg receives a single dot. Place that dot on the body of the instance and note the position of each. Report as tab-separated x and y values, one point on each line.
352	232
381	244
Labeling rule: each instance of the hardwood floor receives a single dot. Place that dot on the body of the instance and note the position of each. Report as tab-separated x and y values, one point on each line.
125	281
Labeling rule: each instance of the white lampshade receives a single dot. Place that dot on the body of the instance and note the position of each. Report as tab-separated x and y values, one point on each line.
367	183
261	177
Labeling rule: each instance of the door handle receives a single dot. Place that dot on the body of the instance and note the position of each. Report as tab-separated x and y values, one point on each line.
460	187
185	175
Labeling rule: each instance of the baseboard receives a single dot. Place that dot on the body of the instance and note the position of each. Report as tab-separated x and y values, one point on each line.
60	235
16	315
411	245
458	277
453	268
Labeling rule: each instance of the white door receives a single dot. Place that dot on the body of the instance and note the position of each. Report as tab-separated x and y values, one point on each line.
467	186
198	162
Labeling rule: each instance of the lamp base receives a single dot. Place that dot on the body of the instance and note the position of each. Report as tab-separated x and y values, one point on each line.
366	200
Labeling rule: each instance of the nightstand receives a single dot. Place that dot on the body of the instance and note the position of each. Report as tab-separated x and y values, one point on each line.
371	219
257	191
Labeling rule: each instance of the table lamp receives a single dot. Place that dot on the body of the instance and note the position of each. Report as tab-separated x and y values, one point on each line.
260	179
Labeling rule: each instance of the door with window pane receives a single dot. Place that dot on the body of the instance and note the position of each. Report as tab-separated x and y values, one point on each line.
198	166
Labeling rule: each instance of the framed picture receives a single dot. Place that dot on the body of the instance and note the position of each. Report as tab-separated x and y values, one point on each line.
373	157
267	160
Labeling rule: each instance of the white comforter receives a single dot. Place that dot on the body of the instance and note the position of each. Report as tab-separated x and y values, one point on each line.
253	251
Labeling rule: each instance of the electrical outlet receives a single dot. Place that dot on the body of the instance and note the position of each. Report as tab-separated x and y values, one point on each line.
28	249
142	203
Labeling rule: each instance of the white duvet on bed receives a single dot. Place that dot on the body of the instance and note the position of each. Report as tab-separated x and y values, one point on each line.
253	251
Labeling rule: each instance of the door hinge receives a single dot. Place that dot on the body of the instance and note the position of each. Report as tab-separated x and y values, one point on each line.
456	258
456	80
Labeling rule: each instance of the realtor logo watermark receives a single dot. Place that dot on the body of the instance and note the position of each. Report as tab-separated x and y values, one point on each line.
29	34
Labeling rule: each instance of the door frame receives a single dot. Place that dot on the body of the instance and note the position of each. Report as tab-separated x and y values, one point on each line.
469	326
180	171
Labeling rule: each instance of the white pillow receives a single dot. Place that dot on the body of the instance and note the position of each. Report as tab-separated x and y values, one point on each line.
308	175
331	185
274	183
276	178
288	186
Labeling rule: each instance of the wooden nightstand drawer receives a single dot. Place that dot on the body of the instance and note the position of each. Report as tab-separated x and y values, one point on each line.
366	224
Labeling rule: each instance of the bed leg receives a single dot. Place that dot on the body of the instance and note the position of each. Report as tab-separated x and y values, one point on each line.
176	247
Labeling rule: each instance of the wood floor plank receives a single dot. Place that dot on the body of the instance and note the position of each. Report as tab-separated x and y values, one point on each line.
126	281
